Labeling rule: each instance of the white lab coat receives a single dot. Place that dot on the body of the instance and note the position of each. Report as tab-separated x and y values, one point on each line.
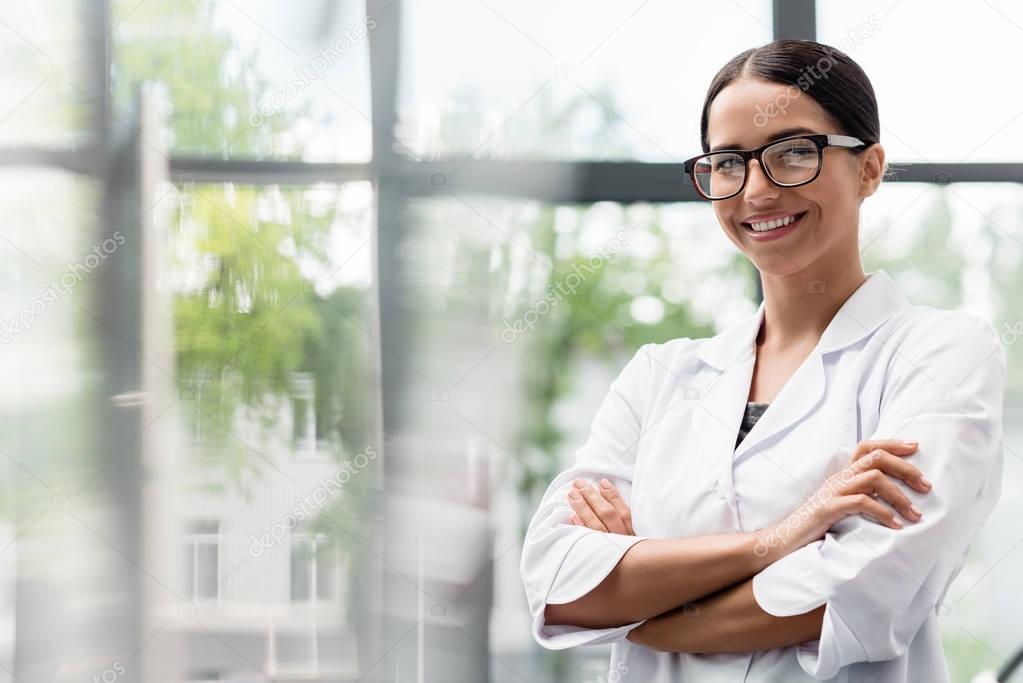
665	435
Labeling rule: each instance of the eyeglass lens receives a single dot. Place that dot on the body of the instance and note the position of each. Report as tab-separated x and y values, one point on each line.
788	163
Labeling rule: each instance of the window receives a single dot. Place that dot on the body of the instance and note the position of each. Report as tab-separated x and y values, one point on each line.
544	84
48	100
258	80
327	276
271	289
202	561
315	570
879	34
303	417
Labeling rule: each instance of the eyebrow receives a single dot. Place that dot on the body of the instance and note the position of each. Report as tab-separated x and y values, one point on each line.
775	136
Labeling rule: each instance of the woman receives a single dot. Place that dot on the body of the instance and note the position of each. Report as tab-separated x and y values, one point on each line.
709	545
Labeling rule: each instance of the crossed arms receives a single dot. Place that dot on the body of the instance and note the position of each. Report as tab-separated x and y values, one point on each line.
857	582
695	594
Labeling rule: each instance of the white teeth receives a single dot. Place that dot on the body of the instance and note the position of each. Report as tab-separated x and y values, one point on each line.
771	225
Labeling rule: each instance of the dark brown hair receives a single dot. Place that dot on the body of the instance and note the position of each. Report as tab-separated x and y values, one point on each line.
826	74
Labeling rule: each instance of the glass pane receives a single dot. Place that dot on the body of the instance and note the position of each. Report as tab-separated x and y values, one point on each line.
880	33
207	569
326	574
301	569
626	83
60	535
48	98
271	289
960	246
522	314
252	80
188	556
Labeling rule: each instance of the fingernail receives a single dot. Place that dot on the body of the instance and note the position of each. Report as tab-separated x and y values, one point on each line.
574	496
898	523
911	443
925	481
915	510
604	483
579	483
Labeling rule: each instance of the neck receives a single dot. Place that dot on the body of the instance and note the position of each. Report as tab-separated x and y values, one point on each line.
799	306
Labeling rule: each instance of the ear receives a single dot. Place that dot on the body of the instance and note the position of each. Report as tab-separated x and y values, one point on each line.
871	169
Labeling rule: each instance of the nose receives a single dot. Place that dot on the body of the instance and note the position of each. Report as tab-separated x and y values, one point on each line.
758	186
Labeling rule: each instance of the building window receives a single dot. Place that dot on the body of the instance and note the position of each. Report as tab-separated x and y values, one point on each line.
202	561
303	414
315	570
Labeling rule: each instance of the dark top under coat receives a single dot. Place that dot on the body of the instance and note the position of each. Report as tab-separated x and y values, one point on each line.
753	412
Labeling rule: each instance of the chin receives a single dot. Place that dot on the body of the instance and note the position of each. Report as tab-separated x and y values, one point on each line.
780	266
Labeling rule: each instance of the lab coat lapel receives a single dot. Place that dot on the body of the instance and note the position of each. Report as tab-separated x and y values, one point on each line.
732	354
876	300
722	400
801	394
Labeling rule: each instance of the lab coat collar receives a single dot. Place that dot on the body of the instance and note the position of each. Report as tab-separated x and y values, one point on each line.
876	300
733	354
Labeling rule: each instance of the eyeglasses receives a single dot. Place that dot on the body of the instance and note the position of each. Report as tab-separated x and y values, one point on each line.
789	162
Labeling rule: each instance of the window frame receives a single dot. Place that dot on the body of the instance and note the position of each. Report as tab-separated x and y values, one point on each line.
396	179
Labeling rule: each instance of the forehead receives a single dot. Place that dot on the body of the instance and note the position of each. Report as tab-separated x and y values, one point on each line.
748	112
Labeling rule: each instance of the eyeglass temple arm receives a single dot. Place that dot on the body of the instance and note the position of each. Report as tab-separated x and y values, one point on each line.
845	141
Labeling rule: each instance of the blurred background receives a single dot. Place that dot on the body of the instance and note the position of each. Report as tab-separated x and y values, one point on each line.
305	303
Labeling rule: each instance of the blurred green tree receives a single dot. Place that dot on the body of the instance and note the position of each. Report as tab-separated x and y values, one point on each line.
246	318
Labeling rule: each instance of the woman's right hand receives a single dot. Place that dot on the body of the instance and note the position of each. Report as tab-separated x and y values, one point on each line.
864	486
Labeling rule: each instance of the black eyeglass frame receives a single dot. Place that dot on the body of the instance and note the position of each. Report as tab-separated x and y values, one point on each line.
821	140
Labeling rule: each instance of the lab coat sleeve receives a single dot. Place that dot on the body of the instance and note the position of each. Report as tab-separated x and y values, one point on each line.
945	390
562	562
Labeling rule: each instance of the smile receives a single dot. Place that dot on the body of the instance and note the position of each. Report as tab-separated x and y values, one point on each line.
774	228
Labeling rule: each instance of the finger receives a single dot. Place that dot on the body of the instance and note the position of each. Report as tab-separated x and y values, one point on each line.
611	495
872	509
583	512
876	481
900	469
897	446
895	466
603	509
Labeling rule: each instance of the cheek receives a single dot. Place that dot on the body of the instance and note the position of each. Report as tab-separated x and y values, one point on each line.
726	219
722	213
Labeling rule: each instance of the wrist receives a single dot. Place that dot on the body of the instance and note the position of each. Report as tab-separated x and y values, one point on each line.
772	543
763	547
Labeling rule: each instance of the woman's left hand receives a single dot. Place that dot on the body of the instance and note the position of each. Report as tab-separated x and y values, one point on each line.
601	508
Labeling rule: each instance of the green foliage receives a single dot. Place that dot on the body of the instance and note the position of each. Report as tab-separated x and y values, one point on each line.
241	334
211	89
245	316
930	259
339	360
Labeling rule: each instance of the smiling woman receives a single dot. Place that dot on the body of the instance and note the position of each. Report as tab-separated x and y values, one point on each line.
781	555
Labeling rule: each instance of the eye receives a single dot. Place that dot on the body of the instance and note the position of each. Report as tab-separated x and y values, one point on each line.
794	152
728	164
